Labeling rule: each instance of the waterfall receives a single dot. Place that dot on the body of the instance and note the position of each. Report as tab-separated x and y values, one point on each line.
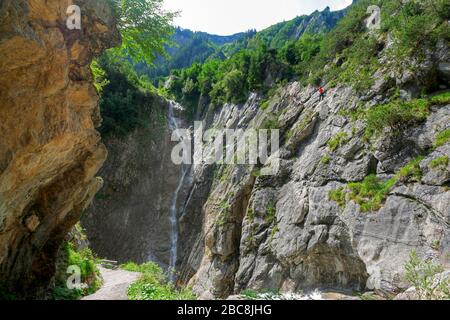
173	213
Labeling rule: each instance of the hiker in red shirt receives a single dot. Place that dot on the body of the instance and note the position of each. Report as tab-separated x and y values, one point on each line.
322	93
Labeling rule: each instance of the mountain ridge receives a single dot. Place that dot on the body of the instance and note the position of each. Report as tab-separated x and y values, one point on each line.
191	47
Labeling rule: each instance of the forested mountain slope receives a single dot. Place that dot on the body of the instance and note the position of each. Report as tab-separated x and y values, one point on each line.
186	48
364	172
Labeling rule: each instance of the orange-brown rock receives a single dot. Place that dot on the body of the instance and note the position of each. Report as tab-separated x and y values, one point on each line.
50	151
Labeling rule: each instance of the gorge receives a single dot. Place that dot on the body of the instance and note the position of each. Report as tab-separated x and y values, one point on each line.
364	175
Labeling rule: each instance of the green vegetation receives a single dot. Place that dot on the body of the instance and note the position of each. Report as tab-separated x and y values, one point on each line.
338	140
265	294
371	193
224	214
153	284
411	172
422	275
250	294
274	232
230	80
439	162
6	295
84	259
187	47
347	54
271	122
436	244
251	215
279	34
442	138
126	100
441	99
264	105
145	28
338	195
325	159
349	51
416	27
271	213
355	114
301	125
396	115
100	78
102	196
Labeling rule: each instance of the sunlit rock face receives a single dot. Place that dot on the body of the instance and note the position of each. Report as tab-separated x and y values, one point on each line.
50	151
283	232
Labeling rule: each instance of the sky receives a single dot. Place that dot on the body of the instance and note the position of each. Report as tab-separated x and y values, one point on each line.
226	17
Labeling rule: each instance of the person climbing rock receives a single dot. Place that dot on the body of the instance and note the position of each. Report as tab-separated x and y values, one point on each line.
321	93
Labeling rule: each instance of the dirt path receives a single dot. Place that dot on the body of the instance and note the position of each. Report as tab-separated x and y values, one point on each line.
115	284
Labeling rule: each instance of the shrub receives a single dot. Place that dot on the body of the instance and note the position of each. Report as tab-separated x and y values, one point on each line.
90	274
372	191
422	275
270	123
416	26
126	99
99	74
153	284
395	115
360	64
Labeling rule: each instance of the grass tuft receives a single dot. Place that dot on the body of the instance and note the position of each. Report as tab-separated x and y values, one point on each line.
439	162
442	138
153	284
338	140
396	115
371	193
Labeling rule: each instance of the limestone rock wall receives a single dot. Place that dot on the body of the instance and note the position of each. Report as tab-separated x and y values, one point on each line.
283	232
50	151
129	218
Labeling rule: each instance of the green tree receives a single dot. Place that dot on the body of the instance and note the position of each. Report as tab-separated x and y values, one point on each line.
208	75
233	85
145	28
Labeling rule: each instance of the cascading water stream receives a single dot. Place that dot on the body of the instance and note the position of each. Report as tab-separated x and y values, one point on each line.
173	213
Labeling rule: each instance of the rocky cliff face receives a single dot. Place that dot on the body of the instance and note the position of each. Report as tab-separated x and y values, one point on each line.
285	232
238	229
129	219
50	151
